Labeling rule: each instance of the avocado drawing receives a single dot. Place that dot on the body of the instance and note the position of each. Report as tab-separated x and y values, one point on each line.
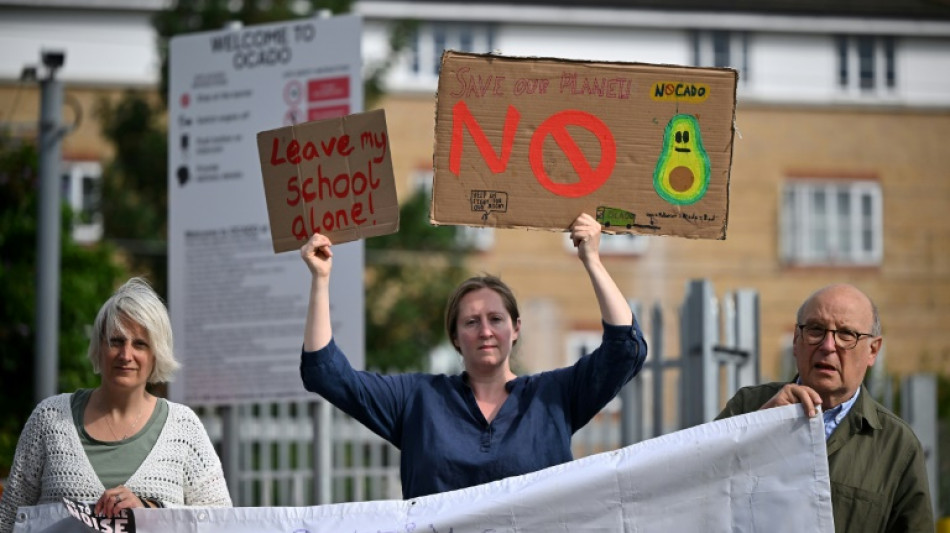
681	175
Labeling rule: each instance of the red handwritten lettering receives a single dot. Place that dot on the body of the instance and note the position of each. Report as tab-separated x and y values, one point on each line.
477	86
368	138
275	149
462	117
294	153
314	220
294	190
310	151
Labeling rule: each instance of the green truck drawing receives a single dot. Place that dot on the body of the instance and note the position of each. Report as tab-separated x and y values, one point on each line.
611	216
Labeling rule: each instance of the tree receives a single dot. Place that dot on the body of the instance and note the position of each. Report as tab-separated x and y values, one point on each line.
134	184
88	276
409	276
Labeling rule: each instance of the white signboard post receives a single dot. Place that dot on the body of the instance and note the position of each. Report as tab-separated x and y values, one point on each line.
238	309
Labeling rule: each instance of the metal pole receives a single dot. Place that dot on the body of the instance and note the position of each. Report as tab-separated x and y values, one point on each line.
919	409
656	353
231	451
631	402
322	453
747	337
698	334
48	239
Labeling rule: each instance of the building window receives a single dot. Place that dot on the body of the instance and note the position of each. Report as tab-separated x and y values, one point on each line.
434	38
475	238
722	49
866	63
81	191
832	223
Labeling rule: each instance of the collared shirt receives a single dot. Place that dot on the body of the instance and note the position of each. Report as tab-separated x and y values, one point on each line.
445	440
836	414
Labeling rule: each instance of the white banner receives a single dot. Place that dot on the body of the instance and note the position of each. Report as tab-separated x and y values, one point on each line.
765	471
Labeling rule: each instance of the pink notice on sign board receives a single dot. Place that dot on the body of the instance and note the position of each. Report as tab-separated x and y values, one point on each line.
328	89
330	176
325	112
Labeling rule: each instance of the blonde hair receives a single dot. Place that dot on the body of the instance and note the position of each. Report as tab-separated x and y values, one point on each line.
136	301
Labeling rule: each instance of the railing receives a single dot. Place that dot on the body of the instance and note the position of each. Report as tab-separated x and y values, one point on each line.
276	454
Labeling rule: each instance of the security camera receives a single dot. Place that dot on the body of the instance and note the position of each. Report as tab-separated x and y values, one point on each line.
53	58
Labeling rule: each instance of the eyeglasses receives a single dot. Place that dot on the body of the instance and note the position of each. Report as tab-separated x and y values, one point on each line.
844	338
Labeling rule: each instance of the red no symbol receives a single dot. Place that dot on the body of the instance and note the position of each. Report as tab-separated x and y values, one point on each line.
590	178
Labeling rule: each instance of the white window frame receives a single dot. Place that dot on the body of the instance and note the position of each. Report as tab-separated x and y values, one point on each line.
76	176
813	234
705	53
433	38
881	79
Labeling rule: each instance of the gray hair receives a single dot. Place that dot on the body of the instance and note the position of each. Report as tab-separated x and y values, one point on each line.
138	302
875	317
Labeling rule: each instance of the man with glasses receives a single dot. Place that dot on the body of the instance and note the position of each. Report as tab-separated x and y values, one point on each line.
878	475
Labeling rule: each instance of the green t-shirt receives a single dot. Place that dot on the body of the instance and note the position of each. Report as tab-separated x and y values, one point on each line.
115	462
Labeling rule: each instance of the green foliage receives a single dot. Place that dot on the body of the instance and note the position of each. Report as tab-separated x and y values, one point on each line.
409	276
135	184
87	277
401	32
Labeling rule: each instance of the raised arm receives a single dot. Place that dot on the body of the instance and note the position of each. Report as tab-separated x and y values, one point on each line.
319	258
614	309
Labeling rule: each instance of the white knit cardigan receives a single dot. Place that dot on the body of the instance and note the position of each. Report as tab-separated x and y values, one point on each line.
181	470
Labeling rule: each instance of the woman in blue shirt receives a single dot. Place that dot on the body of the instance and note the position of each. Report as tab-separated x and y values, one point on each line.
486	423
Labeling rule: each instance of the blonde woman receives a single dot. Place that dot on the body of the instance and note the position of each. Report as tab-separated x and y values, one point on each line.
117	445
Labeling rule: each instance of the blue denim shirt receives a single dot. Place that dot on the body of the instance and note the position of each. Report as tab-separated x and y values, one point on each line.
446	442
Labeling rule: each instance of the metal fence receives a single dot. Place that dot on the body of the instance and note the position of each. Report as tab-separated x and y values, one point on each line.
273	456
308	453
279	465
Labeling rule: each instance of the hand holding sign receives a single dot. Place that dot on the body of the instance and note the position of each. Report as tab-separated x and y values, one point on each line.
318	256
123	521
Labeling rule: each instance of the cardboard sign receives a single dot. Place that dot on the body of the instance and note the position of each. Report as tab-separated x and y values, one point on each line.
533	142
330	176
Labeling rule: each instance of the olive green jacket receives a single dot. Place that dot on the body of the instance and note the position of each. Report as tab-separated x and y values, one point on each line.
878	474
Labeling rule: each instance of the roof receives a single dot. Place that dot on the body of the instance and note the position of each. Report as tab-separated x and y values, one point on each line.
895	9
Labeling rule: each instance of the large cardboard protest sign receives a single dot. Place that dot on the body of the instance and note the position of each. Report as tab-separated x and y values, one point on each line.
533	142
331	176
